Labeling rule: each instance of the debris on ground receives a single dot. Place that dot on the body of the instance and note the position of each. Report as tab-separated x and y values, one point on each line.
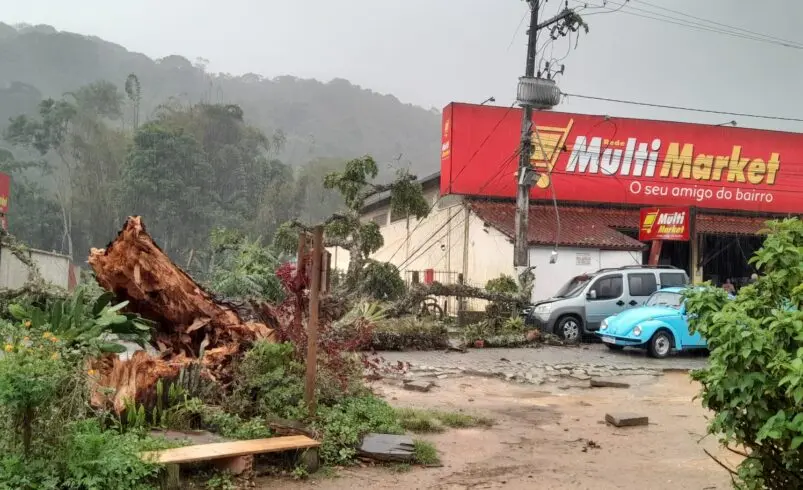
590	444
420	386
626	419
607	383
388	448
455	346
191	324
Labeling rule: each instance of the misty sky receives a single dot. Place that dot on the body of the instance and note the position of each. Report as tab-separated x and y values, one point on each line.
431	52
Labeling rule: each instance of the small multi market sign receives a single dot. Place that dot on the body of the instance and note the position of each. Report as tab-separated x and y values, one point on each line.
664	224
601	159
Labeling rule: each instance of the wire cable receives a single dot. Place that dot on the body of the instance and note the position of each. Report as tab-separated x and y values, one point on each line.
682	108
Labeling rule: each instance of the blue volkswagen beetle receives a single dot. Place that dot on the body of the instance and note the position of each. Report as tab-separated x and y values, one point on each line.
659	326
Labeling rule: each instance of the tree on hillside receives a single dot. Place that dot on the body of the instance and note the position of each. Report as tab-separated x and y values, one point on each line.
346	230
754	378
88	151
166	180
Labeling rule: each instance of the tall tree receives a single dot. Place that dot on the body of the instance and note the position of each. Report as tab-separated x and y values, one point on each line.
346	230
165	180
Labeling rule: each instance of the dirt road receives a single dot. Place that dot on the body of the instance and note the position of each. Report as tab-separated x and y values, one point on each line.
541	439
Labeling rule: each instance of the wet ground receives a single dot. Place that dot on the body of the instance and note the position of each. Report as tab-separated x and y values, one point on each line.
543	432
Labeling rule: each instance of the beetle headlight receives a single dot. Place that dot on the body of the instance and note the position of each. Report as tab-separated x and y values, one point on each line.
604	324
637	331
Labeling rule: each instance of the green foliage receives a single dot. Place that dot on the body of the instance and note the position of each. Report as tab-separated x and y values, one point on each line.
82	323
32	372
425	453
409	333
502	284
268	382
222	480
428	421
344	424
97	459
382	281
244	268
233	426
754	380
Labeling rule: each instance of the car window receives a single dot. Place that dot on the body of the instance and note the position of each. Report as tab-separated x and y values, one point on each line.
608	287
666	298
672	279
642	284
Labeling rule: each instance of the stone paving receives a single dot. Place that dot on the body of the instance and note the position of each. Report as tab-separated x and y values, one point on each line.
542	365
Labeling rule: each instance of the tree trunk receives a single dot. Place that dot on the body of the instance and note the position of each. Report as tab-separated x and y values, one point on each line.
418	292
189	321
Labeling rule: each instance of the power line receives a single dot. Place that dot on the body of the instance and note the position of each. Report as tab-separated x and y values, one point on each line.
657	16
476	152
779	39
682	108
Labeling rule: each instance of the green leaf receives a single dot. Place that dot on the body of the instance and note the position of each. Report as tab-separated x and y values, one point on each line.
111	347
796	442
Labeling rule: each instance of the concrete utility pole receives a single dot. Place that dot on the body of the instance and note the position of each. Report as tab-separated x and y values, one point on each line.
539	93
520	246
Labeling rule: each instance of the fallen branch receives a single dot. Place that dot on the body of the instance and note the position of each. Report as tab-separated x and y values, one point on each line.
418	292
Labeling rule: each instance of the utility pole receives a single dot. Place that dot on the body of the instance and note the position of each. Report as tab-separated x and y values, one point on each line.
520	247
540	93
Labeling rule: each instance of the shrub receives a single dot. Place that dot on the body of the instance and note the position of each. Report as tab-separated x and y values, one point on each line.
754	378
84	324
269	382
32	372
502	284
382	281
424	452
97	459
409	333
343	425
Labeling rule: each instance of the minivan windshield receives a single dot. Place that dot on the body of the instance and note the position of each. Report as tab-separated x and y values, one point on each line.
665	298
573	287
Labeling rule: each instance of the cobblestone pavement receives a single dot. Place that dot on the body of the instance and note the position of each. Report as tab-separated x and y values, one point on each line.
543	364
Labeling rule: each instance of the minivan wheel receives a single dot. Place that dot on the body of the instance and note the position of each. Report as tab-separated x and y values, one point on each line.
570	329
660	344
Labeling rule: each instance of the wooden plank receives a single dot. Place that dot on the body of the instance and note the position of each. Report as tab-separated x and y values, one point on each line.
205	452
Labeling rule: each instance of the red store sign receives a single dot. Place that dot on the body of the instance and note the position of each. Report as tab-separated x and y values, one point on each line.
664	224
600	159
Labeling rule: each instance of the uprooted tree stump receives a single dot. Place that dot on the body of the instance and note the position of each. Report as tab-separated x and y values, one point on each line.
191	324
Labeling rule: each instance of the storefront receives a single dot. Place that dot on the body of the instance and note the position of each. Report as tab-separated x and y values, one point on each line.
729	180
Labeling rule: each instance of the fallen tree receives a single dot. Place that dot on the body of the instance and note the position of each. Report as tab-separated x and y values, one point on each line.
191	324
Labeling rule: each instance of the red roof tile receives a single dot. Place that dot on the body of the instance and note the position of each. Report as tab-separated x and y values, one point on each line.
579	227
730	225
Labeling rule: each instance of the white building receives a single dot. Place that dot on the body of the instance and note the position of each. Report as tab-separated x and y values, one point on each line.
470	240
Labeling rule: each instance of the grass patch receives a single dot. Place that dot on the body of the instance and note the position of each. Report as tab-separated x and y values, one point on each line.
425	453
429	421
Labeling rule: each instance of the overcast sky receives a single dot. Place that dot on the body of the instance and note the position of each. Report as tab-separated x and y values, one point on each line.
431	52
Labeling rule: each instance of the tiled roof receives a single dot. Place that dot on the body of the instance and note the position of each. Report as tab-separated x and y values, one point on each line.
579	227
730	225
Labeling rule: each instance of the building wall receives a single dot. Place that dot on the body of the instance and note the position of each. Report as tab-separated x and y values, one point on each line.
55	269
572	262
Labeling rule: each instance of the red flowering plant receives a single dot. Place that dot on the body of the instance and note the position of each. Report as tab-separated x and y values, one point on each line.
341	363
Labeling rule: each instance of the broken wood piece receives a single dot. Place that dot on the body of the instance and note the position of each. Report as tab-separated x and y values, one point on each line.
607	383
626	419
388	448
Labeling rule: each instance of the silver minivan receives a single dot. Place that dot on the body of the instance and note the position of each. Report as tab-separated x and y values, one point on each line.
579	306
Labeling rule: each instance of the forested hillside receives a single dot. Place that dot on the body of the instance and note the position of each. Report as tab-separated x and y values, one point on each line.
334	119
93	133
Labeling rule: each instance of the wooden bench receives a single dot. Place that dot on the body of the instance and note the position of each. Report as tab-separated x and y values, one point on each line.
236	457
